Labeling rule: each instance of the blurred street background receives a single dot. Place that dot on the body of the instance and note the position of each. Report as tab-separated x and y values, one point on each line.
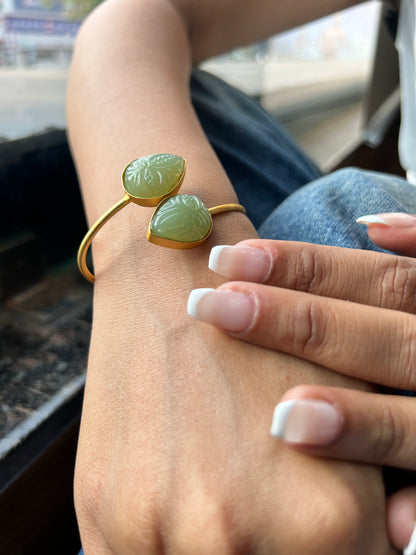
313	78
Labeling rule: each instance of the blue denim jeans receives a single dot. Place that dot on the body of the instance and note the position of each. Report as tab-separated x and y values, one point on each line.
285	194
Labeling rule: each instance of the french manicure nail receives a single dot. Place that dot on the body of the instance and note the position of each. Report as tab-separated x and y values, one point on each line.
194	298
411	548
307	421
230	310
392	219
241	262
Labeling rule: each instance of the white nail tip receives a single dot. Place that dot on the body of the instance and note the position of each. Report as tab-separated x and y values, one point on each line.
193	300
214	256
371	219
411	548
280	416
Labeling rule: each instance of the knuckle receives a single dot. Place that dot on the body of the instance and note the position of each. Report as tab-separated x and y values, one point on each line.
308	270
334	526
132	524
307	326
206	540
136	533
405	365
88	490
392	433
126	523
398	285
202	527
394	429
387	434
88	495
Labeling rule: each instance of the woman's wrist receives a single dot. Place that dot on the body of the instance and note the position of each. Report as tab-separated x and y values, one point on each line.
121	251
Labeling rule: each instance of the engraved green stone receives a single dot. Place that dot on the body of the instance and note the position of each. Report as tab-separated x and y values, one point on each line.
181	218
153	176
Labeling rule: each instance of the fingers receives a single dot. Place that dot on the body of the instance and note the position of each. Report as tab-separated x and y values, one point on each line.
395	231
402	241
401	519
364	342
349	425
364	277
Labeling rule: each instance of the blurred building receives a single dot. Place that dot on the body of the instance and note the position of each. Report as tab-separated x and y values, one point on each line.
35	30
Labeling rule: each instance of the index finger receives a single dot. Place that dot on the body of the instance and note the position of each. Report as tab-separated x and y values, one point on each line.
365	277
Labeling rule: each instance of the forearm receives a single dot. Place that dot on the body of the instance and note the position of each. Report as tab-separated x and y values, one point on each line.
128	92
129	97
174	439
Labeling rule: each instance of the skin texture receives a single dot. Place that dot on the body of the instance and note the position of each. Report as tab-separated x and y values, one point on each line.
174	451
361	321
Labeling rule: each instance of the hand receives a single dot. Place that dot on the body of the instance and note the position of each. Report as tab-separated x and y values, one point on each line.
174	451
303	306
371	338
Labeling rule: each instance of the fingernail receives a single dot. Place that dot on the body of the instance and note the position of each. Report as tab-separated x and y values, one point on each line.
240	262
307	421
411	548
230	310
393	219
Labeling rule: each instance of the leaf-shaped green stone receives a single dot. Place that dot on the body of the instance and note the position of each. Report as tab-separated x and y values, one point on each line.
153	176
181	218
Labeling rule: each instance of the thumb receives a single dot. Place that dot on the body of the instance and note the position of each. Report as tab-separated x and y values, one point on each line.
394	231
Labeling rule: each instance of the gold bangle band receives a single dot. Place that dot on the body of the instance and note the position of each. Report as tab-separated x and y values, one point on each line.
178	222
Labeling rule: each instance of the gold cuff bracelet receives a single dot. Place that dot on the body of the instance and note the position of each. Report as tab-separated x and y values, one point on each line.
179	221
